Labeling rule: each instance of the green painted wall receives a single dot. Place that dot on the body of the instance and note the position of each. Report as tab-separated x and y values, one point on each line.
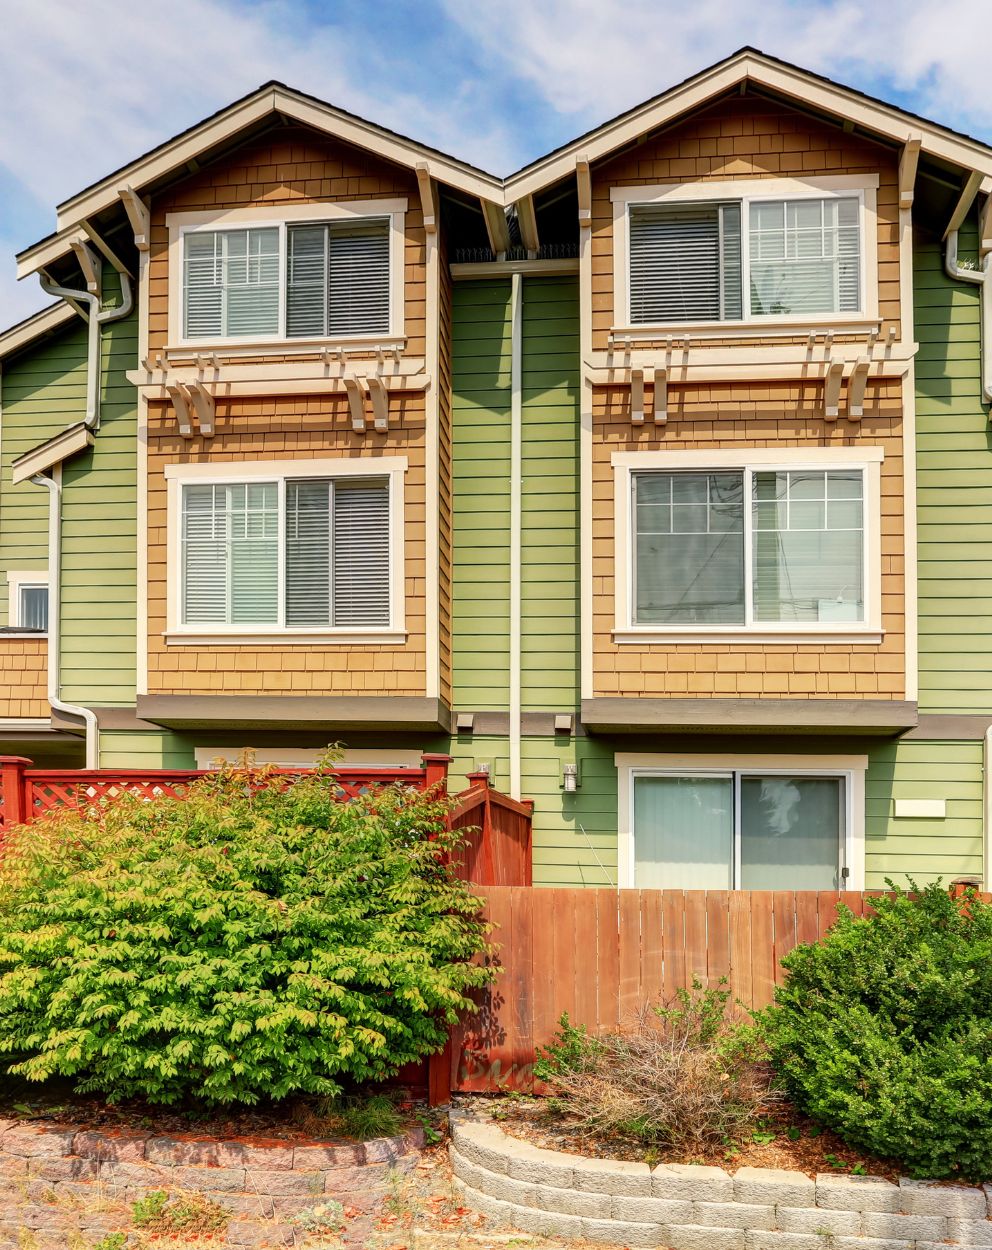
99	541
122	749
480	420
954	478
41	392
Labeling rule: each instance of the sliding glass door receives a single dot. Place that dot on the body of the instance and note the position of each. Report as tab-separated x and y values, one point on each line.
732	829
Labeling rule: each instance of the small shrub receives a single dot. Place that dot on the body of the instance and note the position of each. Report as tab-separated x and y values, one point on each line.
112	1241
324	1217
883	1032
365	1118
684	1078
192	1214
256	939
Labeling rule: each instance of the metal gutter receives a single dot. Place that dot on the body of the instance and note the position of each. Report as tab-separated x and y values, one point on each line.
516	459
982	276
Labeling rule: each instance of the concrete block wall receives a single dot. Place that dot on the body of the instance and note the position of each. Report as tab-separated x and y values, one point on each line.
690	1207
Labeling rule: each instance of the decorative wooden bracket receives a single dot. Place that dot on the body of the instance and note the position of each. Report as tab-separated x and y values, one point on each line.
356	402
88	263
380	403
985	228
831	389
496	226
965	201
908	162
660	396
138	215
183	408
856	388
428	198
203	406
637	396
527	217
584	186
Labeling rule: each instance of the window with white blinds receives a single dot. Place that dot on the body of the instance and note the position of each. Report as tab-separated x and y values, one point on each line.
749	546
296	552
314	280
744	259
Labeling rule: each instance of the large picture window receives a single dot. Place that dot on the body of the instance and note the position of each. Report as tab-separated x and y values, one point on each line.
292	552
721	830
749	546
744	259
295	280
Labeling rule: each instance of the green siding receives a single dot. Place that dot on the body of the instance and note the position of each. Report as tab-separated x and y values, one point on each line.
43	391
99	541
480	417
923	849
954	481
122	749
549	644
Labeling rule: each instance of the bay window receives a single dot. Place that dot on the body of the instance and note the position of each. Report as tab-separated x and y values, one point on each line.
771	547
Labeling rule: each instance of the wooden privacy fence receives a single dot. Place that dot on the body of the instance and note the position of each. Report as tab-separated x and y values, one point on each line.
497	828
602	955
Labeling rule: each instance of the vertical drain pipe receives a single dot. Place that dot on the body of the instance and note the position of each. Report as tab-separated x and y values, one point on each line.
516	459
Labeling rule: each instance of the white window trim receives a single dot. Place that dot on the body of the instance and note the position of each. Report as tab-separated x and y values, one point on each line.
181	224
851	767
626	463
18	580
749	190
280	471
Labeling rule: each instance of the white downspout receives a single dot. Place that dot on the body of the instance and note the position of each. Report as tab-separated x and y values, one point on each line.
54	619
94	363
982	276
516	460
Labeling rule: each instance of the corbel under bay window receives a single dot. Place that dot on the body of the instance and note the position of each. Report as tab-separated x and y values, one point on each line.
754	254
722	822
313	273
773	545
287	552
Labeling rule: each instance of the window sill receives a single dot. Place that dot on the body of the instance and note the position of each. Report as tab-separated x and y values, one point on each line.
640	635
233	347
285	638
774	327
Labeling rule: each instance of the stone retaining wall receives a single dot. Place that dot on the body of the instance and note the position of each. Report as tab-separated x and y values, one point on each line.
690	1207
255	1179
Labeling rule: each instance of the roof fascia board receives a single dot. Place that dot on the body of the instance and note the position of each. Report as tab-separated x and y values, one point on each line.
888	122
25	332
63	445
321	117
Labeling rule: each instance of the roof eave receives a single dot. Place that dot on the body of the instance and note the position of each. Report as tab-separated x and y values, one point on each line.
25	332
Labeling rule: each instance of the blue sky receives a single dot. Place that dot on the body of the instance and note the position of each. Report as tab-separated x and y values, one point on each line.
88	87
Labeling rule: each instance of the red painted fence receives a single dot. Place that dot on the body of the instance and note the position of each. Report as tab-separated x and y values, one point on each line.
602	955
497	828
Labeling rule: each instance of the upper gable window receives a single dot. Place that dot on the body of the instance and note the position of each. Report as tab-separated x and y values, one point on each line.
786	252
289	281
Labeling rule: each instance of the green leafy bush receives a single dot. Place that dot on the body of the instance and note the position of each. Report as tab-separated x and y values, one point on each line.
249	941
683	1076
883	1032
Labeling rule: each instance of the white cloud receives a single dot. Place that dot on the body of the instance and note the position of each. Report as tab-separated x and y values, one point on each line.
593	58
87	87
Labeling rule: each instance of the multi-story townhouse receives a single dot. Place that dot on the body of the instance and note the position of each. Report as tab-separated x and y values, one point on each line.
655	478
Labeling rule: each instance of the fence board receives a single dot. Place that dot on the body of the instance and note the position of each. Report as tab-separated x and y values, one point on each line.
633	956
673	939
601	955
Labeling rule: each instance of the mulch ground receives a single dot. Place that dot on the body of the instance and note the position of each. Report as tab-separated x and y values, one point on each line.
785	1139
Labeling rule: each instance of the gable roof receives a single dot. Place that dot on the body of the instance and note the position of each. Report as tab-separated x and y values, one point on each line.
802	87
806	90
35	327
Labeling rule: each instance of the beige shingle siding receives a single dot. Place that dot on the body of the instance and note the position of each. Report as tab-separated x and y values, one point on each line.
744	138
747	417
24	677
297	428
